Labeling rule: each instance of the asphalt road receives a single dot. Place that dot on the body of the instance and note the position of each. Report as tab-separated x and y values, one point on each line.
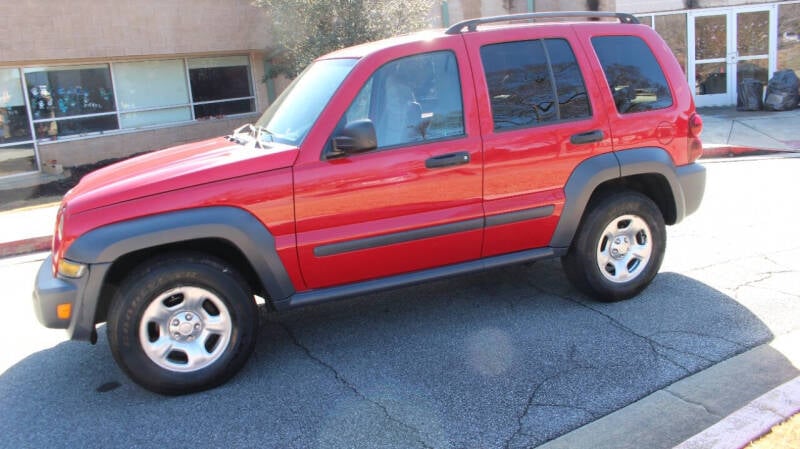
511	357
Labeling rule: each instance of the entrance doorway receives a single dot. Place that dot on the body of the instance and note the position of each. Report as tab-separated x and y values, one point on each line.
728	45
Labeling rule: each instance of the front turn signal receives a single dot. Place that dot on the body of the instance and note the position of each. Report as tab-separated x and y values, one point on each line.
64	311
70	269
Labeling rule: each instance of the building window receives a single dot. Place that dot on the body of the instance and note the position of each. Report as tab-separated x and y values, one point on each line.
17	154
789	36
672	28
221	86
42	104
71	100
152	93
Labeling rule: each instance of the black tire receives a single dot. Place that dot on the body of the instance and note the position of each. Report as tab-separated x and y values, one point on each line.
207	312
612	269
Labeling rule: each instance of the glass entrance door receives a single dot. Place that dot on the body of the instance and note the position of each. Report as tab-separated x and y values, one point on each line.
728	46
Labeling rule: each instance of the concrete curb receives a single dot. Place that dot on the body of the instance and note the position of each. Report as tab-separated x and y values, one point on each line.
750	422
26	246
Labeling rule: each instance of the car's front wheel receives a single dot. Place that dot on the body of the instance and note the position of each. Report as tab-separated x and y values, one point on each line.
618	248
182	324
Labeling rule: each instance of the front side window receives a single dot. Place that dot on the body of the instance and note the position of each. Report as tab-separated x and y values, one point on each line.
412	99
636	80
533	82
71	100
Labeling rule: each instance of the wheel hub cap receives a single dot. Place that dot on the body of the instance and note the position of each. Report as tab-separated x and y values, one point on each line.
624	248
185	326
185	329
620	247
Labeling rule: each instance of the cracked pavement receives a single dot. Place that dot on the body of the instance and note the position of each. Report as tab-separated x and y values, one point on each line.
507	358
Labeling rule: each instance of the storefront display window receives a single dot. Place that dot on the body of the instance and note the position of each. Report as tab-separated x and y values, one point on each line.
56	93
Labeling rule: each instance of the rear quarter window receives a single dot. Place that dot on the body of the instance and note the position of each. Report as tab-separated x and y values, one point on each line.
636	80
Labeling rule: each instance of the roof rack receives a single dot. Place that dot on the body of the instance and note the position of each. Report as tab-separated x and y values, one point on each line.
472	24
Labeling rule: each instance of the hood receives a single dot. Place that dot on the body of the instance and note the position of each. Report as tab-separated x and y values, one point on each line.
175	168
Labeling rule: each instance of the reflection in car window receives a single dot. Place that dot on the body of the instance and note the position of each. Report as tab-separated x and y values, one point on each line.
526	77
412	99
634	76
520	86
573	102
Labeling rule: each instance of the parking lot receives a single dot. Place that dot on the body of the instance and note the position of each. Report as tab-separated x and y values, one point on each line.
511	357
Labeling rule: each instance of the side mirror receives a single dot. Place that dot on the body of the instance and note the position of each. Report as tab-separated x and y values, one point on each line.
356	137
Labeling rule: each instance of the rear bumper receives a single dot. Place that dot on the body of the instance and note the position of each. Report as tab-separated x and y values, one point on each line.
692	178
80	294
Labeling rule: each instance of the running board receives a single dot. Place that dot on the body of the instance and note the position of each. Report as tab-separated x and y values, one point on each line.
417	277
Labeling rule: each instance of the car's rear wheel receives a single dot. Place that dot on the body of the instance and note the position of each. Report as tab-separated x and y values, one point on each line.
181	324
618	248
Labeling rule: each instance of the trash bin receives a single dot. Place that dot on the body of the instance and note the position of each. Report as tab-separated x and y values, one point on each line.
749	95
782	91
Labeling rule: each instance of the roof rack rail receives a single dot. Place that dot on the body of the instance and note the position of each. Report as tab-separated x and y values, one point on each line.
472	24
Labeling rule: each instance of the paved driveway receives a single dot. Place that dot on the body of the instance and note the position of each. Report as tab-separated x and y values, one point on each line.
511	357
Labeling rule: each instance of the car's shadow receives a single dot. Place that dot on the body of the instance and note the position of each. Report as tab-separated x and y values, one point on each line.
511	355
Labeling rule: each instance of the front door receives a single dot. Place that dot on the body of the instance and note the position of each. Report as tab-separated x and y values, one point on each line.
728	46
415	201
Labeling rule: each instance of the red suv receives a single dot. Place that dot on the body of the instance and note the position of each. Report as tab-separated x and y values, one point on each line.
390	163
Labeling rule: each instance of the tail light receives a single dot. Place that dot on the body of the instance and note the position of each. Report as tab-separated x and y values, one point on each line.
695	147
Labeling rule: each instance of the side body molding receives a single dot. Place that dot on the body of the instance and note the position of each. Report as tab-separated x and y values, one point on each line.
106	244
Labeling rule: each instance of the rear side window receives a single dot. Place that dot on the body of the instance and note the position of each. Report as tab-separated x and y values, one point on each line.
533	82
636	80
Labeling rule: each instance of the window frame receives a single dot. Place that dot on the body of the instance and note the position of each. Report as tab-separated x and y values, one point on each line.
553	82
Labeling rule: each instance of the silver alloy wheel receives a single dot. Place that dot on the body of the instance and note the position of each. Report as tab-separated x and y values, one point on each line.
624	248
185	329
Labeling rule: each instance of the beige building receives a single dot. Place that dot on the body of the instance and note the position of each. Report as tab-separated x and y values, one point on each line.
87	80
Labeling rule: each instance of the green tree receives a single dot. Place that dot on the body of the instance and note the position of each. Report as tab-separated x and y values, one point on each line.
306	29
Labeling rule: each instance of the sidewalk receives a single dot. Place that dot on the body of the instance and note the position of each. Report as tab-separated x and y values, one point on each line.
728	132
27	230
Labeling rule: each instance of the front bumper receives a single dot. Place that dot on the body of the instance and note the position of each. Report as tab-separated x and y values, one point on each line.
81	294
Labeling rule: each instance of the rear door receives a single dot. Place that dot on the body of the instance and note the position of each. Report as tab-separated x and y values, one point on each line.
539	119
415	201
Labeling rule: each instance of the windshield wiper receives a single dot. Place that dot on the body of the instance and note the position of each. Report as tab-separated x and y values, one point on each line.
251	133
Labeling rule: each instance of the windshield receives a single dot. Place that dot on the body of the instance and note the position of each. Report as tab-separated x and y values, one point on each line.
290	117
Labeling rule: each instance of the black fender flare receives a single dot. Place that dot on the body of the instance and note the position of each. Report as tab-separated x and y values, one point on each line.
594	171
108	243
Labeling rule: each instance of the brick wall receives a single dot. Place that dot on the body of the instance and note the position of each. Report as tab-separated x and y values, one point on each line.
35	30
